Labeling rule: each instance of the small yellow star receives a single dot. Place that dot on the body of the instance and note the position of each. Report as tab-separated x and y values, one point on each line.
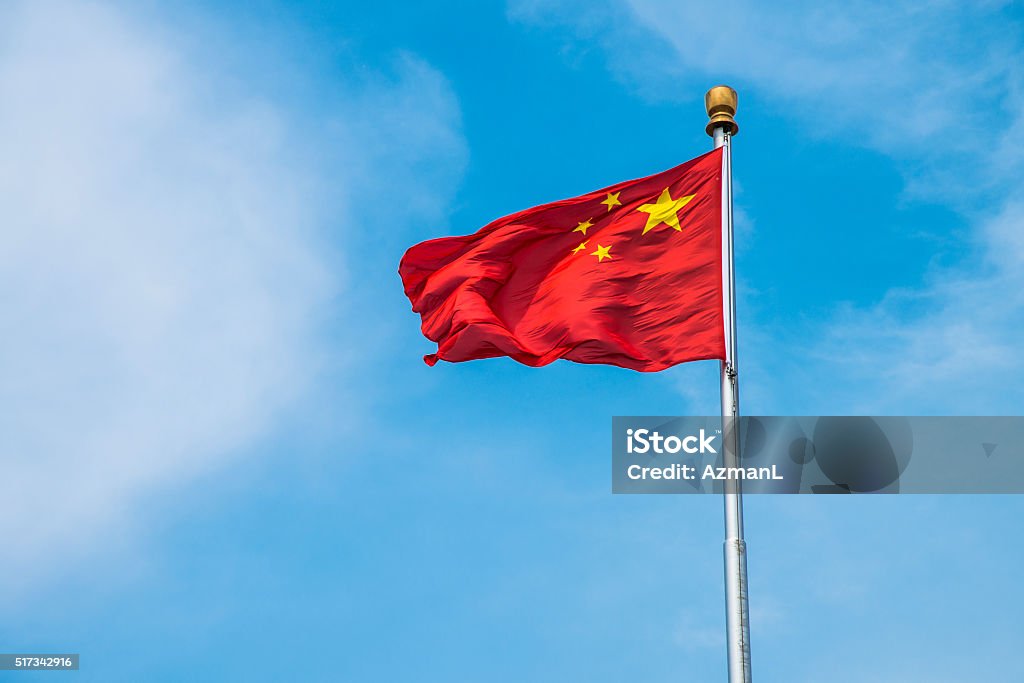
601	253
612	200
581	247
664	211
582	227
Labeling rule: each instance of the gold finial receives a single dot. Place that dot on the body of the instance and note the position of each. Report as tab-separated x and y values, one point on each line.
720	102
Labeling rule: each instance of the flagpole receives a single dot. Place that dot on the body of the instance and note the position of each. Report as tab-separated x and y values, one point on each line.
720	103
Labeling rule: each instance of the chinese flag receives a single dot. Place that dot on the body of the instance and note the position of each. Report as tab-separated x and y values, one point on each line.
630	275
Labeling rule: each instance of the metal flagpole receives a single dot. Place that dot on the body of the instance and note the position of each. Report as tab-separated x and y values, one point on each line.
720	102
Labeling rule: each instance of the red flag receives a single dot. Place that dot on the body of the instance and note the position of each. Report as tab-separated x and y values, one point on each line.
630	275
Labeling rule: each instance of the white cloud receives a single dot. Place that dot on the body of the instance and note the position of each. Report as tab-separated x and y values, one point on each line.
898	74
950	345
165	266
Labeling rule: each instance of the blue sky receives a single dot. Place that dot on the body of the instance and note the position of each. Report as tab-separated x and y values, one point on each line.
225	459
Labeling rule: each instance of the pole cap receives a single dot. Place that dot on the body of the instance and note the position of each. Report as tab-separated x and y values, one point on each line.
720	103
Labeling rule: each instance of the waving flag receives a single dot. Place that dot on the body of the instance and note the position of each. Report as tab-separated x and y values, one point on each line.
630	275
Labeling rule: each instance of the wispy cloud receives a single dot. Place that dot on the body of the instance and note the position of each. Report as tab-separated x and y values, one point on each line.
165	259
898	74
702	632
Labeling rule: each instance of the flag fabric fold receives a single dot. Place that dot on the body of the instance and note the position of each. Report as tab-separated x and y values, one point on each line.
630	275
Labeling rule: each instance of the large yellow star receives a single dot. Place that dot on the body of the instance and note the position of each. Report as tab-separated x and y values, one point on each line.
612	200
581	247
582	227
602	253
664	211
